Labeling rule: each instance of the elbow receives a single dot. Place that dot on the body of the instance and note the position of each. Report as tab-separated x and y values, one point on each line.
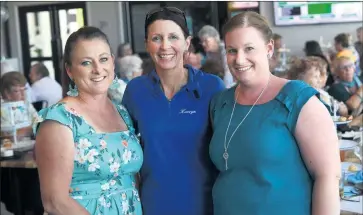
52	203
49	205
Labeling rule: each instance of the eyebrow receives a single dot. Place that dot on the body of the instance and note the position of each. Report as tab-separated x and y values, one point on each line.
157	34
104	53
247	44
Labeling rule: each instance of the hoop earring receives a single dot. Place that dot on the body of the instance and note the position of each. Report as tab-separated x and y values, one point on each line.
72	91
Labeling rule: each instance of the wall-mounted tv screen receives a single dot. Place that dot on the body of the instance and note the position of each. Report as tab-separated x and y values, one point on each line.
304	13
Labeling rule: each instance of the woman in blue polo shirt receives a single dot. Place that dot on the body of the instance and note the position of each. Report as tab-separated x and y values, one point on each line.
169	107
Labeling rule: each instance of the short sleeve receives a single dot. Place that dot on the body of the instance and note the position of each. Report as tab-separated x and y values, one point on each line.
127	104
214	105
212	109
295	95
56	113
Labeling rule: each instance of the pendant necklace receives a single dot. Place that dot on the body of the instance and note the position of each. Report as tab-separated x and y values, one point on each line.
226	145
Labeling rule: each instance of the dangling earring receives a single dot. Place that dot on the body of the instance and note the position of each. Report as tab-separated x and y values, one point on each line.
72	91
115	84
268	56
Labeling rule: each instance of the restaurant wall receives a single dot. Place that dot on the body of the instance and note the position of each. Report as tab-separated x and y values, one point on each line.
106	15
295	36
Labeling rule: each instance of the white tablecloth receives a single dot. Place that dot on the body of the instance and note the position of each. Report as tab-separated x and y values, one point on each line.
354	207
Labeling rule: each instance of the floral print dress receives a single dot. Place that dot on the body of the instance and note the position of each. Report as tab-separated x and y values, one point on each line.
105	164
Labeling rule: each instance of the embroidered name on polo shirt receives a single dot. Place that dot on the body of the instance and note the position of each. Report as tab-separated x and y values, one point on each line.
185	111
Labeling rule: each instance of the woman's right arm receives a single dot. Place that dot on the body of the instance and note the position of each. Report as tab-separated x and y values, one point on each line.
54	156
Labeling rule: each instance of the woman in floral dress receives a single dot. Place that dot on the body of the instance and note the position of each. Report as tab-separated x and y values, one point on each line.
86	149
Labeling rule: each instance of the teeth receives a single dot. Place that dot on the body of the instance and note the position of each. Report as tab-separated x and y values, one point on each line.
98	79
166	56
244	68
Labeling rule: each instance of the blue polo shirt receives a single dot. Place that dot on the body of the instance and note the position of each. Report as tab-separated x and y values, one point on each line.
177	174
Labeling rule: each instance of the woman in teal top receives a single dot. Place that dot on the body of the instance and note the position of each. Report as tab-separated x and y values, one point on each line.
269	134
86	149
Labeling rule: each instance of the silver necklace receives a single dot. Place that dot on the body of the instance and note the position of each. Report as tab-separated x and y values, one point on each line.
226	145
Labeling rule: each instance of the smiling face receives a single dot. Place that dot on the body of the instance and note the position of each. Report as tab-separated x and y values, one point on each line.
92	67
166	44
247	54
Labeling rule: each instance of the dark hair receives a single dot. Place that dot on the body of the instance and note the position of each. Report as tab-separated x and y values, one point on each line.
197	46
249	19
166	14
84	33
41	69
11	79
120	49
312	48
213	67
342	39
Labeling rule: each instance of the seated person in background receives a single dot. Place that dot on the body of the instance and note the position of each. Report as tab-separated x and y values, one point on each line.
359	44
275	58
348	87
344	47
12	88
215	50
213	67
312	48
123	50
44	88
313	70
5	68
147	66
196	55
129	67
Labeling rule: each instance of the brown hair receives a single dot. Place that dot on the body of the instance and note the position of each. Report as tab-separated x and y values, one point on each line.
249	19
300	67
342	39
84	33
213	67
41	69
11	79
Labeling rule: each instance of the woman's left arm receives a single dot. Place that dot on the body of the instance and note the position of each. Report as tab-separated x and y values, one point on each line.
318	142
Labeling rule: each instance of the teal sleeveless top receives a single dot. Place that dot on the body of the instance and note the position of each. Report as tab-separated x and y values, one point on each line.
105	164
266	173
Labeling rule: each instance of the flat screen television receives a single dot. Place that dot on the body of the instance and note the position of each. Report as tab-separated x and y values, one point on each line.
305	13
